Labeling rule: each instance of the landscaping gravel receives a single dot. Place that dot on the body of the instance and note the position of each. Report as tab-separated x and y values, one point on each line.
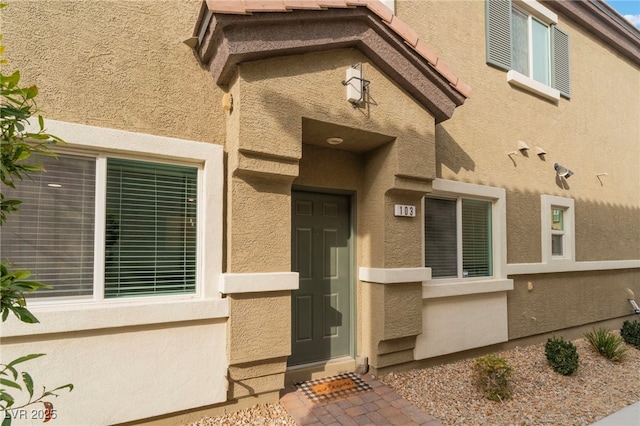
540	396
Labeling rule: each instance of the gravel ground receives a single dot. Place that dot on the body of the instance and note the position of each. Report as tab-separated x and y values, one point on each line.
539	396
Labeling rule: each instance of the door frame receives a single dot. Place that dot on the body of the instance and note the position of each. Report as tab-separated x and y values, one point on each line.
352	195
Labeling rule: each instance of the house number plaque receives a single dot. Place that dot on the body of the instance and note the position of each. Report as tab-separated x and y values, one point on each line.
405	211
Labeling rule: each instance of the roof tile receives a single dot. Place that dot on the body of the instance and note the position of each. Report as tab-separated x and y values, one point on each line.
265	6
447	73
381	10
426	52
246	7
302	4
463	88
227	6
333	3
404	30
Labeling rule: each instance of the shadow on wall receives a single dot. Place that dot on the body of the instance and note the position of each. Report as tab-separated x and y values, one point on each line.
450	154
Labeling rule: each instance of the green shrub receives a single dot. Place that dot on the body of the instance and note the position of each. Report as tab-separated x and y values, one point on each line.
630	333
493	376
606	344
562	356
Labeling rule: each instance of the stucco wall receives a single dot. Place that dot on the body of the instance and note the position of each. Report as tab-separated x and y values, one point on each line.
125	374
118	64
545	303
596	131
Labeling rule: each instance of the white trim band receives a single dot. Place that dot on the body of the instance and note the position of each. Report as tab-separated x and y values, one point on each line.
73	317
552	267
394	275
435	289
258	282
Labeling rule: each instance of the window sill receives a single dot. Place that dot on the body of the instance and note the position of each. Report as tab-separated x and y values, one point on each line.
450	288
526	83
79	316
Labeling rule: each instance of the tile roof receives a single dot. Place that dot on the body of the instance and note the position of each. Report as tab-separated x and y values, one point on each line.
410	36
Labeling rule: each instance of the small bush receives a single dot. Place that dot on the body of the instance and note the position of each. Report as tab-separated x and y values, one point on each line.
630	333
493	376
606	344
562	356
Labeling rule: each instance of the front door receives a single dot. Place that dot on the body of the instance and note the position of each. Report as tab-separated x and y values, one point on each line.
320	253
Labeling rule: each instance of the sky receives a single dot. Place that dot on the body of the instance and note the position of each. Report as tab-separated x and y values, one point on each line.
630	9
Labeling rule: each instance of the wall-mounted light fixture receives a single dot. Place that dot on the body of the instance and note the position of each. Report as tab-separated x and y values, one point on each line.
523	147
561	171
356	84
540	152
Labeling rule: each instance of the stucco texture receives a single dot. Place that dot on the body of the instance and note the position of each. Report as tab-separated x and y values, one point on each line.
559	301
118	64
596	131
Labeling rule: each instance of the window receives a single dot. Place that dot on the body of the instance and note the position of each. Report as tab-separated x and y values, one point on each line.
523	39
458	237
141	241
557	229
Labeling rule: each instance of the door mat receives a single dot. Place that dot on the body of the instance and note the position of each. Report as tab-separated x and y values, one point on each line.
332	388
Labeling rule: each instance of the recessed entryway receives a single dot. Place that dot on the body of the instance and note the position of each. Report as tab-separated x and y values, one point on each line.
321	308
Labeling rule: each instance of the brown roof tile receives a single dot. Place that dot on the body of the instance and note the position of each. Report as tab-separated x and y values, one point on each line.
302	4
404	30
407	33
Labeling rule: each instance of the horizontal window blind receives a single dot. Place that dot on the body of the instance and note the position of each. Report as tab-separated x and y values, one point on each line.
476	238
151	228
52	233
441	237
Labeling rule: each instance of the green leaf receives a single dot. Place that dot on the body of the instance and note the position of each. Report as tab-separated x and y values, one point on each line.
31	92
24	314
28	382
67	386
7	398
24	359
10	383
7	420
41	122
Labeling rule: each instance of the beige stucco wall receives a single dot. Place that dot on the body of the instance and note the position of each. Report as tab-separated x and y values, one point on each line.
545	303
118	64
596	131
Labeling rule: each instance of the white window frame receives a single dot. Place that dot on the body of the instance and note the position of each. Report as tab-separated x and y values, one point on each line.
74	314
535	10
567	205
497	197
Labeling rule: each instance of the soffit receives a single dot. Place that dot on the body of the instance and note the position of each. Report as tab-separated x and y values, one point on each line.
234	31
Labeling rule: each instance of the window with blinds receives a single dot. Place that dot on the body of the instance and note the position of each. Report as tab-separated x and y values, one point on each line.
476	238
150	237
458	238
52	234
150	244
441	241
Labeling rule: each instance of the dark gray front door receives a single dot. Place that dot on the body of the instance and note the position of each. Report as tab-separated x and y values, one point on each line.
320	253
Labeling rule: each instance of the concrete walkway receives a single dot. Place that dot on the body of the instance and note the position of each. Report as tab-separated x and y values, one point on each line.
379	406
628	416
